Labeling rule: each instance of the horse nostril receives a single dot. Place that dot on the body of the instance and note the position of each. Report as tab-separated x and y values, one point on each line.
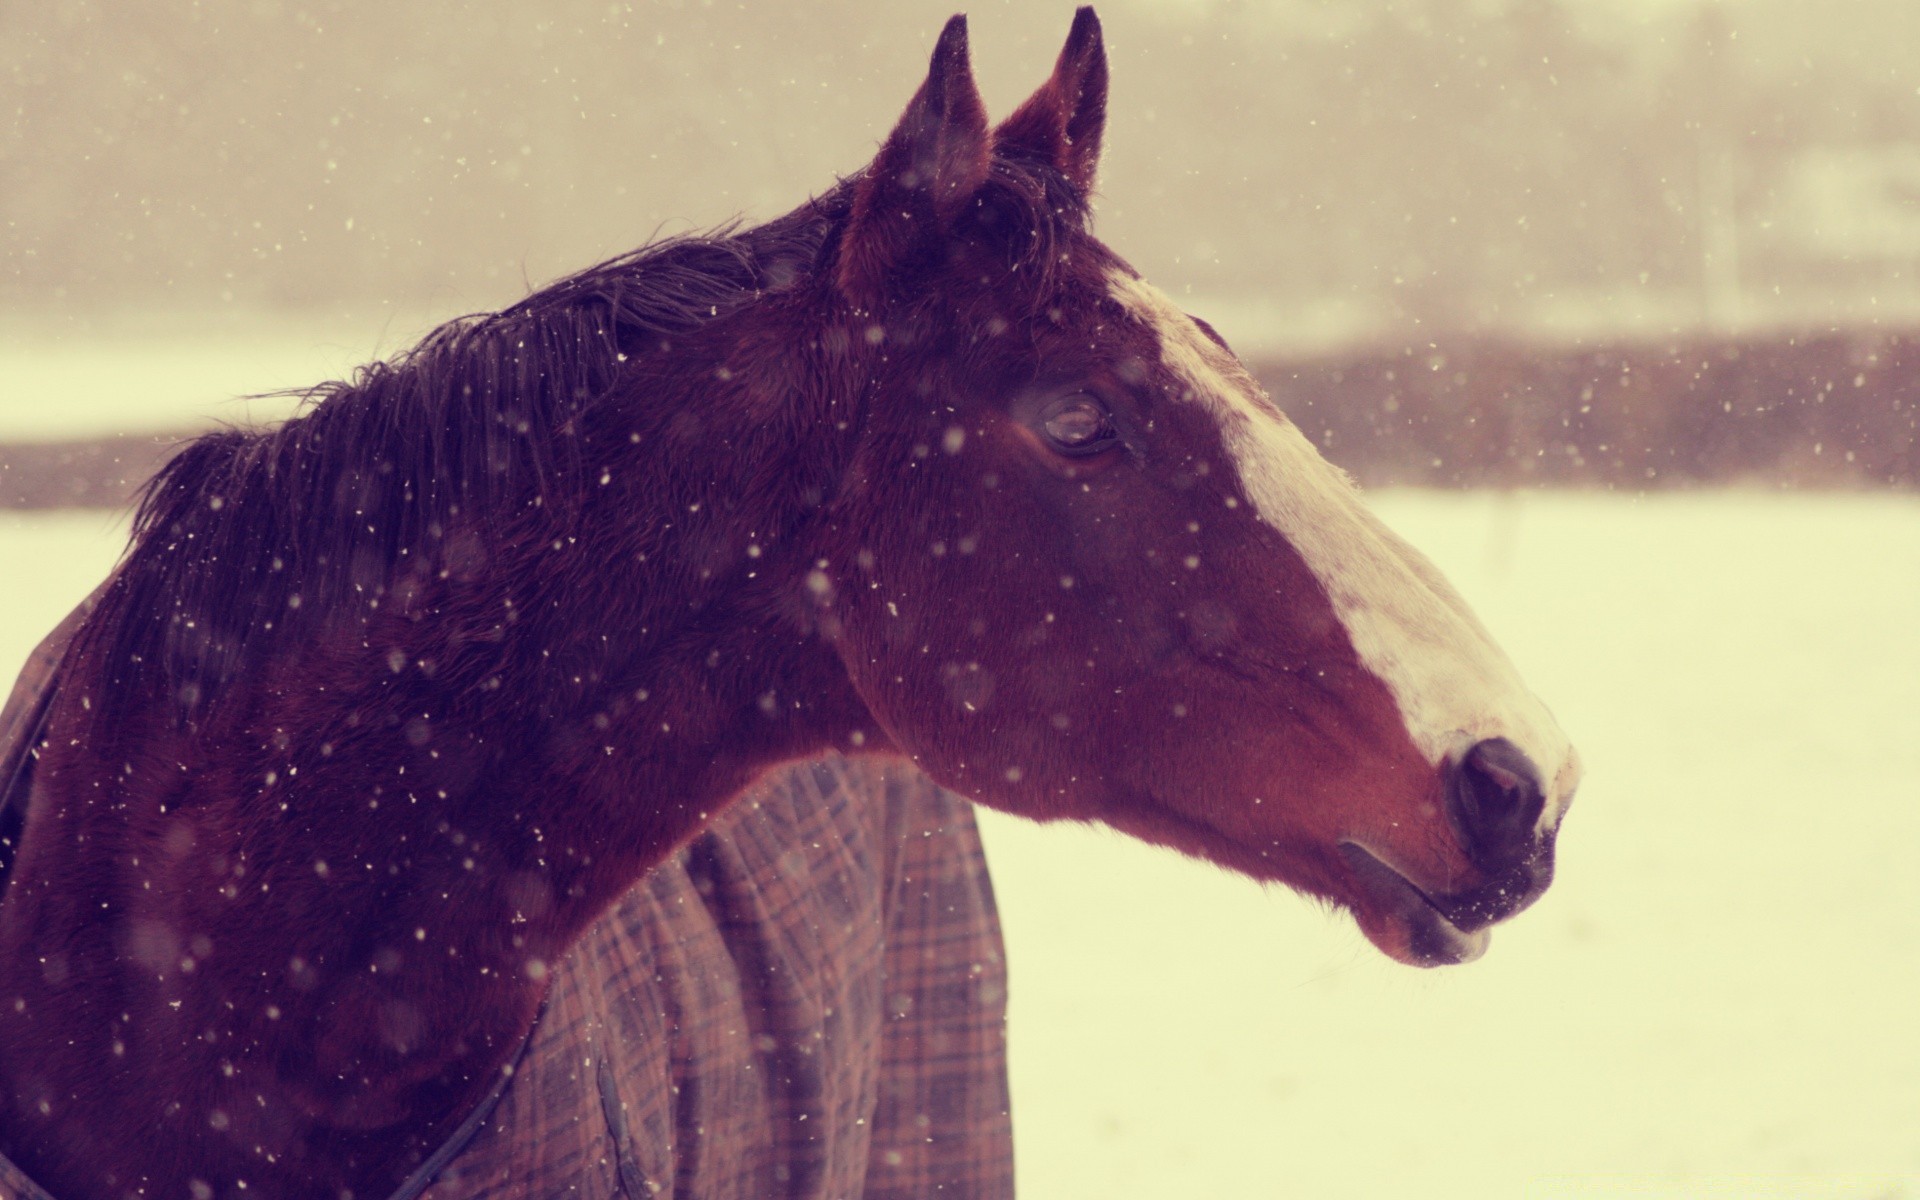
1495	796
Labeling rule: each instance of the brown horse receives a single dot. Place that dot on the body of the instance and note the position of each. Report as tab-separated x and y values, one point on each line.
387	704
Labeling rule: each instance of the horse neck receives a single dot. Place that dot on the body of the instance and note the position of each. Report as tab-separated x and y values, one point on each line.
662	651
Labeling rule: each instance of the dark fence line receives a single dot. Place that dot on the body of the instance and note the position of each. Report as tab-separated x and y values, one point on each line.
1826	411
100	473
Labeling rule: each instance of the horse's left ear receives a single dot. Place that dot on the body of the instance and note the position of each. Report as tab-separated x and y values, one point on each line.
1061	123
932	164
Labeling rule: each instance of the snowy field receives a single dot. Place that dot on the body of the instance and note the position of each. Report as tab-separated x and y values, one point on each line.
1716	1000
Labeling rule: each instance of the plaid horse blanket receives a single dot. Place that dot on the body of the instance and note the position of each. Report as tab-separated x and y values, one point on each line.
807	1002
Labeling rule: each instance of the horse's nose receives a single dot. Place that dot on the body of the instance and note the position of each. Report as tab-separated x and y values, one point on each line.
1495	797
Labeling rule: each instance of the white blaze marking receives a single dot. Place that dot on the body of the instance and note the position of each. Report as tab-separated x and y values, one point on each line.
1453	685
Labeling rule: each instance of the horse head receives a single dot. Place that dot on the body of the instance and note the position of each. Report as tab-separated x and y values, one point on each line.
1082	567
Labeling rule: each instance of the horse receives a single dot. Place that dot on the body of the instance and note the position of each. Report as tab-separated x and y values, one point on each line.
384	705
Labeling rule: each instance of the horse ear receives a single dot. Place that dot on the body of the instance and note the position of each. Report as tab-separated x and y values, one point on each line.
933	162
1061	124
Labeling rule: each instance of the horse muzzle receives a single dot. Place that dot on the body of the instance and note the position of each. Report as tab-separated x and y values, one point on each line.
1495	799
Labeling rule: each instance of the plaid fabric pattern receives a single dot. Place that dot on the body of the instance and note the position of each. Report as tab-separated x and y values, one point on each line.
808	1002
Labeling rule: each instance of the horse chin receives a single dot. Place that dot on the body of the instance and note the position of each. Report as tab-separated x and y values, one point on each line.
1402	921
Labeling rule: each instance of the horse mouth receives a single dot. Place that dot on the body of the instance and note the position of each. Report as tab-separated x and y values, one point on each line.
1403	921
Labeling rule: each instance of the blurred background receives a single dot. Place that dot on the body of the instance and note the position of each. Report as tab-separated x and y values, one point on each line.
1613	302
1436	226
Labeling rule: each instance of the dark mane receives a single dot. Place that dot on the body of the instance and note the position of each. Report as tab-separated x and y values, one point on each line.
246	538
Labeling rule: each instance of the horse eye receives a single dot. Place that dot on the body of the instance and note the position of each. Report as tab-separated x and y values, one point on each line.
1078	425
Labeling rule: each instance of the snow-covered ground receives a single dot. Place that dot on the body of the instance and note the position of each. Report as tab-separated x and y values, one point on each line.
1716	999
